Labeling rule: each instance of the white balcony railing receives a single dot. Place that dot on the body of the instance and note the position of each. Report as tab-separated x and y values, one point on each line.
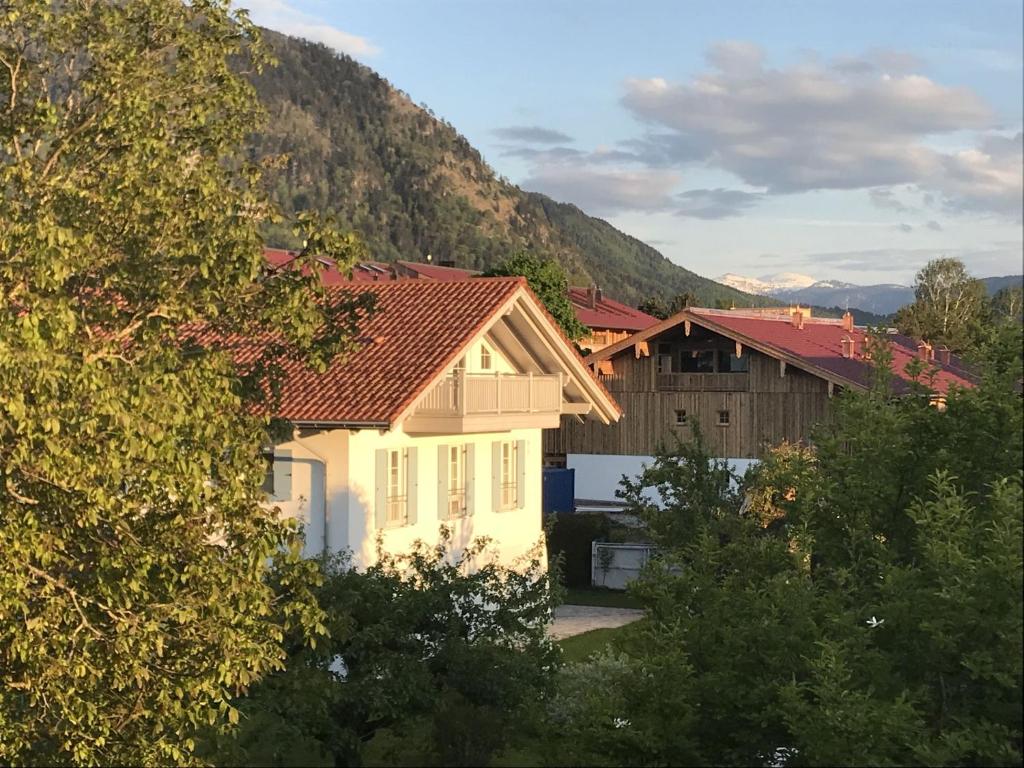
471	394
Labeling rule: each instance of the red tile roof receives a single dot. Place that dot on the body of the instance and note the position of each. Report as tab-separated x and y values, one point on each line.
418	329
817	347
820	343
608	314
437	272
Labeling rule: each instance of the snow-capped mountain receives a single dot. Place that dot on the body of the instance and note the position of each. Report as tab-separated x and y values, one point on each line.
804	289
767	285
883	299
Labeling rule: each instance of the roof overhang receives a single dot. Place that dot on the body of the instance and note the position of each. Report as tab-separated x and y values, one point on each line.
523	316
707	322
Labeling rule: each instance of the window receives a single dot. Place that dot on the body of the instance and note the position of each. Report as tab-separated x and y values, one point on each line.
681	418
485	358
456	481
723	418
693	361
397	495
664	348
729	363
509	476
268	477
664	363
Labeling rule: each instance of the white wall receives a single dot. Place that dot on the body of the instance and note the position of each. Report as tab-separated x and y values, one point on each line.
349	520
514	533
598	476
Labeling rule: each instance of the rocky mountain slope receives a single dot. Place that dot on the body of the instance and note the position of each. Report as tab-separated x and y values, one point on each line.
410	184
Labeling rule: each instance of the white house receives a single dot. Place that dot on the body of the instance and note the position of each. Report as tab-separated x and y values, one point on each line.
436	419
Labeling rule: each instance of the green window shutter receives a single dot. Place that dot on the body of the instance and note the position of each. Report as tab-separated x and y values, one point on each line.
282	475
495	476
442	482
380	496
412	486
470	479
520	473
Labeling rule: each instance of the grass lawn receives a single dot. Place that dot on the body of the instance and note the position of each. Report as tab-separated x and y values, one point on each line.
581	647
605	598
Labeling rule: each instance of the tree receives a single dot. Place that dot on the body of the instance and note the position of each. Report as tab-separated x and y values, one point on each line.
441	656
133	603
858	602
547	279
949	306
657	308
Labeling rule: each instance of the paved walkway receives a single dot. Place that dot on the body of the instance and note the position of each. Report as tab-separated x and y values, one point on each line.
576	619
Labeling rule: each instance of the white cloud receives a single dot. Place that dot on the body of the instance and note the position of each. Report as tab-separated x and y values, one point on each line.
605	191
866	122
286	18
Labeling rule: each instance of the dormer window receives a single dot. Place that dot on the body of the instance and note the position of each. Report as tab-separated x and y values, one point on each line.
485	358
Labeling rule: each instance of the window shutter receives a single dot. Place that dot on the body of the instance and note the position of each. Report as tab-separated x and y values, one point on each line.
282	475
443	471
495	476
412	487
380	497
520	473
470	480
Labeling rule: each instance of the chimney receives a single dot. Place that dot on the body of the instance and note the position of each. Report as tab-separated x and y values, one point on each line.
924	351
942	354
848	322
797	318
592	297
598	295
848	346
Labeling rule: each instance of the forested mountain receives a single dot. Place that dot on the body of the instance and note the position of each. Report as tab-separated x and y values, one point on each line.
410	184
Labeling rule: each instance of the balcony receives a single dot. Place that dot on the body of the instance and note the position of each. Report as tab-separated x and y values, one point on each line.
489	402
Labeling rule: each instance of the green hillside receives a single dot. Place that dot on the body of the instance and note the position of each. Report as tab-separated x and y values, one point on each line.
349	143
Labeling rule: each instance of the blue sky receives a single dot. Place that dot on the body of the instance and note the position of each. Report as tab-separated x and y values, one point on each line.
841	140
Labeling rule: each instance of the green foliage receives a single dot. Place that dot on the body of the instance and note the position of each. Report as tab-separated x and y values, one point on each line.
342	140
547	279
133	603
858	603
441	656
570	538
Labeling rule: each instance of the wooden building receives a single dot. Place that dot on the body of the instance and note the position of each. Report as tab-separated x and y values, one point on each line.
749	379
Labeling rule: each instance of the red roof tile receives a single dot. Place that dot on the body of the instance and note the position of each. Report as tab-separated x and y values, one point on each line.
436	272
418	329
820	343
818	346
608	314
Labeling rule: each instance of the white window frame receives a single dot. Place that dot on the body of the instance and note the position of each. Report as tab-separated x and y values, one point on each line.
397	493
486	358
456	469
508	474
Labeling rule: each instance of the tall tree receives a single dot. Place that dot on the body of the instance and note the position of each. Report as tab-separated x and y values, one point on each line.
949	306
548	280
133	603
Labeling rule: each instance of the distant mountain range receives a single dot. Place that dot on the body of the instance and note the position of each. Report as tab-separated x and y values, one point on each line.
882	299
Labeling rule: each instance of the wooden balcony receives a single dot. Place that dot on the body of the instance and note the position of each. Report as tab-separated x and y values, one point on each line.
704	382
493	402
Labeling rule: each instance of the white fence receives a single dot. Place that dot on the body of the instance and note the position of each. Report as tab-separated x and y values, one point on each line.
615	565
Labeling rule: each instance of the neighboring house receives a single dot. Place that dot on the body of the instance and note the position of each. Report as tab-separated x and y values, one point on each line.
376	271
609	320
436	419
751	379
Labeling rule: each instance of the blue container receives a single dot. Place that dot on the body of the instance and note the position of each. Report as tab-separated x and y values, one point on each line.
559	490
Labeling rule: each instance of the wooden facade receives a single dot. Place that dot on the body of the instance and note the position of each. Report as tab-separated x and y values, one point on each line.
743	402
